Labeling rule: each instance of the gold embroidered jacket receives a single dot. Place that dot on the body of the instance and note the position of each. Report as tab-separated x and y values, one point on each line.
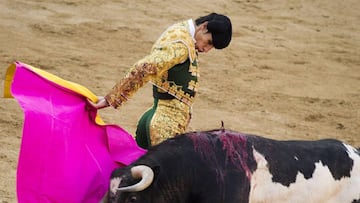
175	46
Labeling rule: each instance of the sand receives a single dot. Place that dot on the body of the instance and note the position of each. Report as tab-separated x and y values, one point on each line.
292	70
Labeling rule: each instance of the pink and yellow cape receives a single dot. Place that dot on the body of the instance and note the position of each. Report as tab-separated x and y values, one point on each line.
67	152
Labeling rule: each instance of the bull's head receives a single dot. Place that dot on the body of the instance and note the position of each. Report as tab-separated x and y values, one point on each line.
142	172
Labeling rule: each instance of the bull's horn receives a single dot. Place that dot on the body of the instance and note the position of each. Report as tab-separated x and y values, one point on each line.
145	173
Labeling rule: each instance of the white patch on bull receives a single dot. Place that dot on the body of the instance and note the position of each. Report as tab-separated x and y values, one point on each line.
114	184
322	187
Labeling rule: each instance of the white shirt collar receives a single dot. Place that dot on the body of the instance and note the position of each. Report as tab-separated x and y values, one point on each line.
191	28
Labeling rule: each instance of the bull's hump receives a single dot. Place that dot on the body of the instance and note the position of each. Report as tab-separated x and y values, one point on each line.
232	146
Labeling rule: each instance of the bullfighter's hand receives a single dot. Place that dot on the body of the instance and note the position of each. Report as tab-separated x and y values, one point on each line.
101	103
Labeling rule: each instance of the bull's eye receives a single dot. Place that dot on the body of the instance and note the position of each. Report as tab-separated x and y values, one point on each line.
132	199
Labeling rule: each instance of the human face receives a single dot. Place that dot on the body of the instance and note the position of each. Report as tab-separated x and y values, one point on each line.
203	39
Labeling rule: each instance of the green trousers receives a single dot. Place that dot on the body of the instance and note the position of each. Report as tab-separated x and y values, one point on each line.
143	128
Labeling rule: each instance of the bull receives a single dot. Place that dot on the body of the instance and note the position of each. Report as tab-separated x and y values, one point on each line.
223	166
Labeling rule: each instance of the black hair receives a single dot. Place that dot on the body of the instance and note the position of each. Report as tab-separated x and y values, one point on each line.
220	28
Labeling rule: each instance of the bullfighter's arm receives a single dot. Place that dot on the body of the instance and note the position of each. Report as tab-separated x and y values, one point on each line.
153	65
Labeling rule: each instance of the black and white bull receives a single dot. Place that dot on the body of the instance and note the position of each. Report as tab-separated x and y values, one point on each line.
230	167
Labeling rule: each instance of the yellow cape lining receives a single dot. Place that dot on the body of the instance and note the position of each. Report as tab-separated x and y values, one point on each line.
53	78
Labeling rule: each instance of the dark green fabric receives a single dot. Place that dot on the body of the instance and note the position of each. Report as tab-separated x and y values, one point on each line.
143	128
180	76
161	95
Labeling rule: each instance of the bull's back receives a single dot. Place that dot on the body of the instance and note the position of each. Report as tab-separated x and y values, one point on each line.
299	171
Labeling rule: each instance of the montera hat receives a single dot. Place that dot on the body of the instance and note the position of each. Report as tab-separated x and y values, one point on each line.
221	30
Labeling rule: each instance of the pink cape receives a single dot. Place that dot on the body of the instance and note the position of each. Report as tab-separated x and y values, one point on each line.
67	154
